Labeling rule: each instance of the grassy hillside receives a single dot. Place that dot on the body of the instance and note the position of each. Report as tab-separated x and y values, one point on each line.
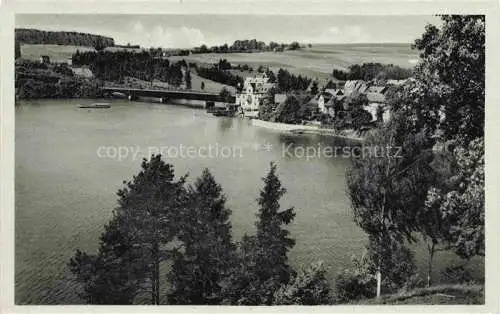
442	294
56	53
210	86
318	61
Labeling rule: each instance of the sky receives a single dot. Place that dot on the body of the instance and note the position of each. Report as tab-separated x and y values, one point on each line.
185	31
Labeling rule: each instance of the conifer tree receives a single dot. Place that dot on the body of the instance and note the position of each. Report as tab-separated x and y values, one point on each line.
134	243
209	251
263	264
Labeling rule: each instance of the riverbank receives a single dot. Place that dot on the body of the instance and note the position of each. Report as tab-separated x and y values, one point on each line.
307	129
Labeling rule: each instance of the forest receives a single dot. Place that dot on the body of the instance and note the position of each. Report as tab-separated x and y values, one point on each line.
35	36
372	71
115	66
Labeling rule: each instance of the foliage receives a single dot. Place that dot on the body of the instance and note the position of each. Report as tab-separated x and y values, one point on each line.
372	71
356	101
225	95
267	107
263	265
114	275
463	208
397	264
308	287
448	82
209	253
387	189
314	88
355	283
360	118
133	244
246	45
290	82
114	66
457	274
294	46
35	36
289	111
219	75
37	80
17	50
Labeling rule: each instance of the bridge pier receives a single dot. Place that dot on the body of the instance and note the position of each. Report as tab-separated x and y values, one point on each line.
209	105
132	97
164	100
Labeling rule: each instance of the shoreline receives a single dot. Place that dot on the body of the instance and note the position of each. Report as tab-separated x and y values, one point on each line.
305	129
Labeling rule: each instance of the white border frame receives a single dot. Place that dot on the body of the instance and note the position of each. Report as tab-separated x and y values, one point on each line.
278	7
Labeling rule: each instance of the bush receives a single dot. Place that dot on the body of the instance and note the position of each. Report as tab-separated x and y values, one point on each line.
457	274
357	282
360	118
309	287
397	267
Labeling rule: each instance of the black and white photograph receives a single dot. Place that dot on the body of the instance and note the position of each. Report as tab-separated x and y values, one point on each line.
249	159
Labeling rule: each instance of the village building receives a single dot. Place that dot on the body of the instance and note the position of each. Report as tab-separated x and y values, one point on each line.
377	103
252	95
328	99
352	86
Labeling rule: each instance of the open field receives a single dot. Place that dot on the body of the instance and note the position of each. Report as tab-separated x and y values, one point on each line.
318	61
59	53
56	53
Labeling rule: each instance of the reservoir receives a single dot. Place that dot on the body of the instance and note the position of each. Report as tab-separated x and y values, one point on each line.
70	162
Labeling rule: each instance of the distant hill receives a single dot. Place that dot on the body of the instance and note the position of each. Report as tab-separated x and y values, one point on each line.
35	36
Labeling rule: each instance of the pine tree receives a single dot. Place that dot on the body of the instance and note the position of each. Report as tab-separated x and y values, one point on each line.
209	251
134	243
263	266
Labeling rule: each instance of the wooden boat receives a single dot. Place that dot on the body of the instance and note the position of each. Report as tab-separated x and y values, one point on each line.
96	106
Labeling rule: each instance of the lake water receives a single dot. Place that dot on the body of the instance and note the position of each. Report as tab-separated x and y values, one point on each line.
66	183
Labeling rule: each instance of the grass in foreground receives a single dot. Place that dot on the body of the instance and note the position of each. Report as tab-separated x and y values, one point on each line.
437	295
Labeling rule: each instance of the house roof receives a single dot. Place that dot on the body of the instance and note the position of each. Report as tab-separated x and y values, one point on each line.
376	89
376	97
356	85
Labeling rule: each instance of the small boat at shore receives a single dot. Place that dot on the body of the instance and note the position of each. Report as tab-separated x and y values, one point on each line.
96	106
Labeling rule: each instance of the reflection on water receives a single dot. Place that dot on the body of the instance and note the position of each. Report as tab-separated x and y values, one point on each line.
65	192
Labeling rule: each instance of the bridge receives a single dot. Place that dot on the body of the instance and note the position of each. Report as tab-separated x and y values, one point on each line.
165	94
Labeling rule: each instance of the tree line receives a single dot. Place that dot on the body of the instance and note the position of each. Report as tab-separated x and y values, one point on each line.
35	36
220	74
161	219
246	45
372	71
114	66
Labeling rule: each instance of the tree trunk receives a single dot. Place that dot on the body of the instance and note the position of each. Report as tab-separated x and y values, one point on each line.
379	281
155	276
431	250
